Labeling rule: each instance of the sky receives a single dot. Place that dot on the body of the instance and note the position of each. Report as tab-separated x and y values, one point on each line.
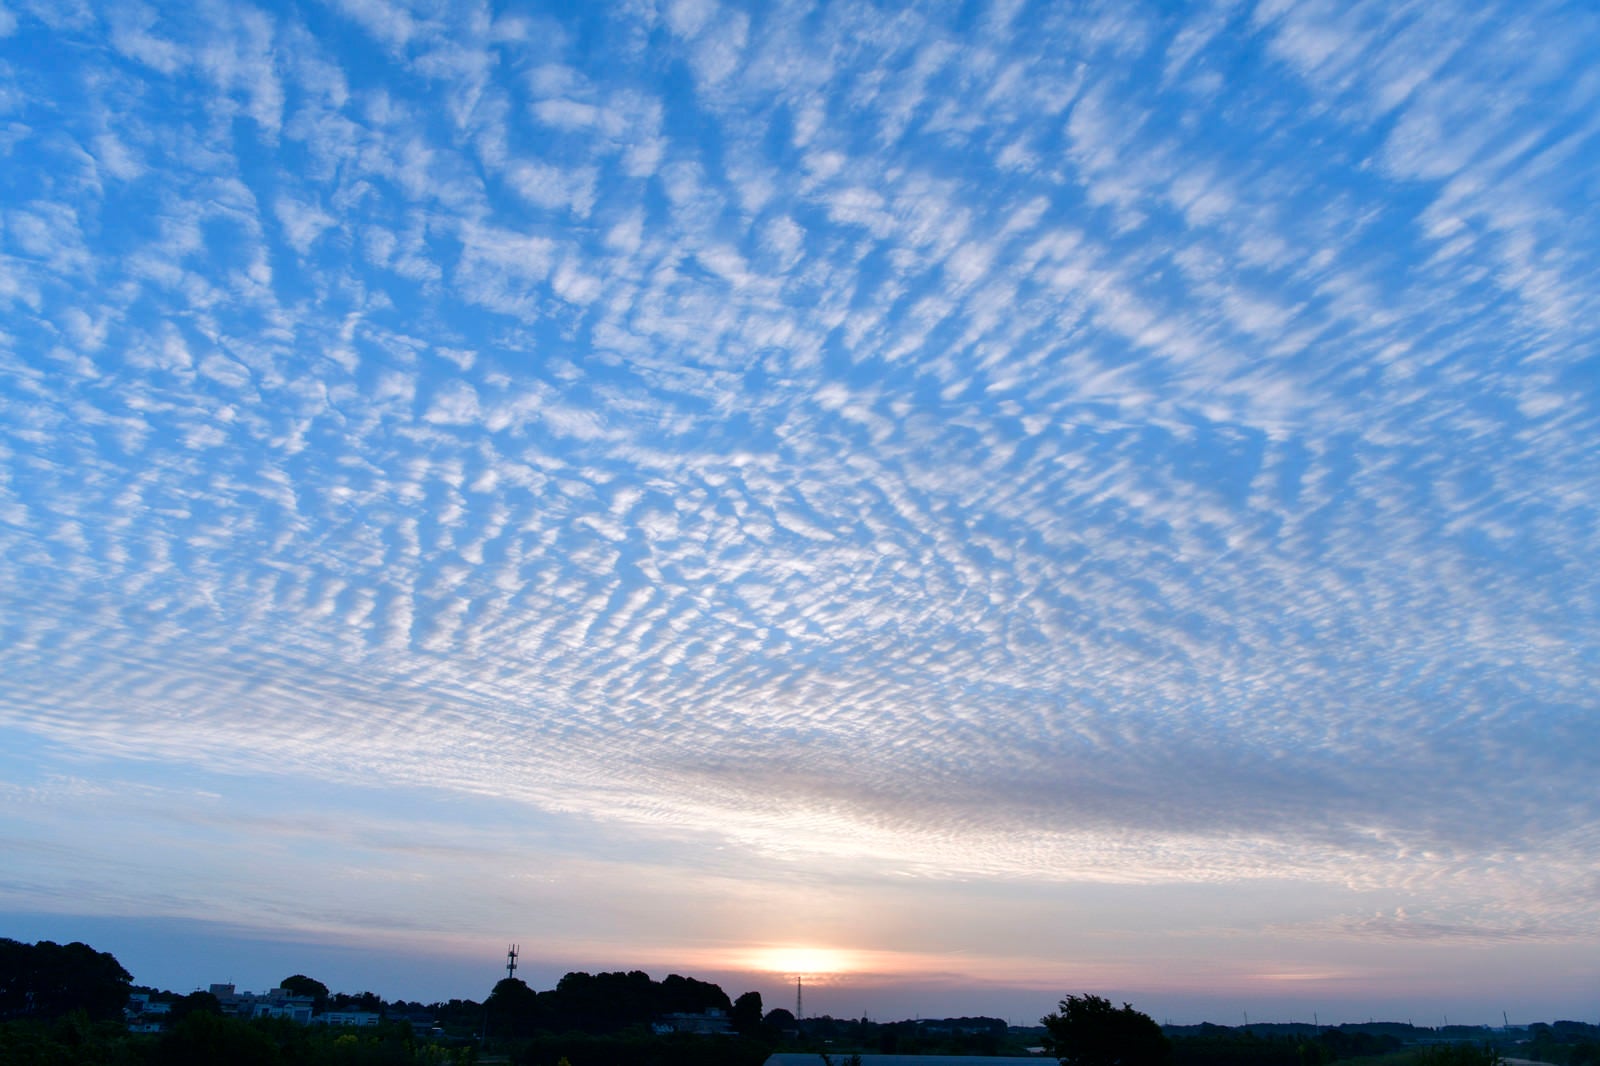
961	503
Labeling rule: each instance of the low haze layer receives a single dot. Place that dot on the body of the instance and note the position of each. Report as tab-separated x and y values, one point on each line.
1013	496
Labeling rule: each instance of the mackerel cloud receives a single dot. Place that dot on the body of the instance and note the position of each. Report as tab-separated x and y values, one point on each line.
1057	445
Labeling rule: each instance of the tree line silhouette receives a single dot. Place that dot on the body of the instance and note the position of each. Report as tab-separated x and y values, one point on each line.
63	1005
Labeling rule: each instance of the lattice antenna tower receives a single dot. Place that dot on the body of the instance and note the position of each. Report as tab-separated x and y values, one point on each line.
799	999
511	961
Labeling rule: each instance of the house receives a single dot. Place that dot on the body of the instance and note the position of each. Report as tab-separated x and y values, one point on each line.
278	1003
714	1022
145	1015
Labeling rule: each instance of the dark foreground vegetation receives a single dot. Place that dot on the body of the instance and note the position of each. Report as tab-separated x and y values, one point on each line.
1089	1031
70	1005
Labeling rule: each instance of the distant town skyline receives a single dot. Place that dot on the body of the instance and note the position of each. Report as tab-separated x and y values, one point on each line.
987	501
183	956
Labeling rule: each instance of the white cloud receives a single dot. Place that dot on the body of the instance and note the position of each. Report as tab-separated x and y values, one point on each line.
454	403
302	223
688	17
553	188
130	34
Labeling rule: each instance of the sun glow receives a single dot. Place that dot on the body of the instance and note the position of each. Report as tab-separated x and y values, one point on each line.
794	960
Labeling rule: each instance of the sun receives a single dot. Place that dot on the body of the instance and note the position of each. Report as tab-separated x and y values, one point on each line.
801	961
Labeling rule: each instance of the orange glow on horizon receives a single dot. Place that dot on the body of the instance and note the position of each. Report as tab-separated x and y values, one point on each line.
801	960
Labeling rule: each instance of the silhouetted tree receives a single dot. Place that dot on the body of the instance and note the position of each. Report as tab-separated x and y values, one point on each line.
1089	1031
746	1015
369	1001
690	996
301	985
204	1039
48	980
512	1009
194	1002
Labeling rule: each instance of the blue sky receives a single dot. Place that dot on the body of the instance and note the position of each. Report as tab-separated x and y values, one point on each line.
1008	498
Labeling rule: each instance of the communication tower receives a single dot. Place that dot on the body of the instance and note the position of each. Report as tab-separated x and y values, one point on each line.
511	961
799	999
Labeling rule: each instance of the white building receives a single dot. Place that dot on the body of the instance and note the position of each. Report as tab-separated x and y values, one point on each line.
145	1015
278	1003
713	1022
